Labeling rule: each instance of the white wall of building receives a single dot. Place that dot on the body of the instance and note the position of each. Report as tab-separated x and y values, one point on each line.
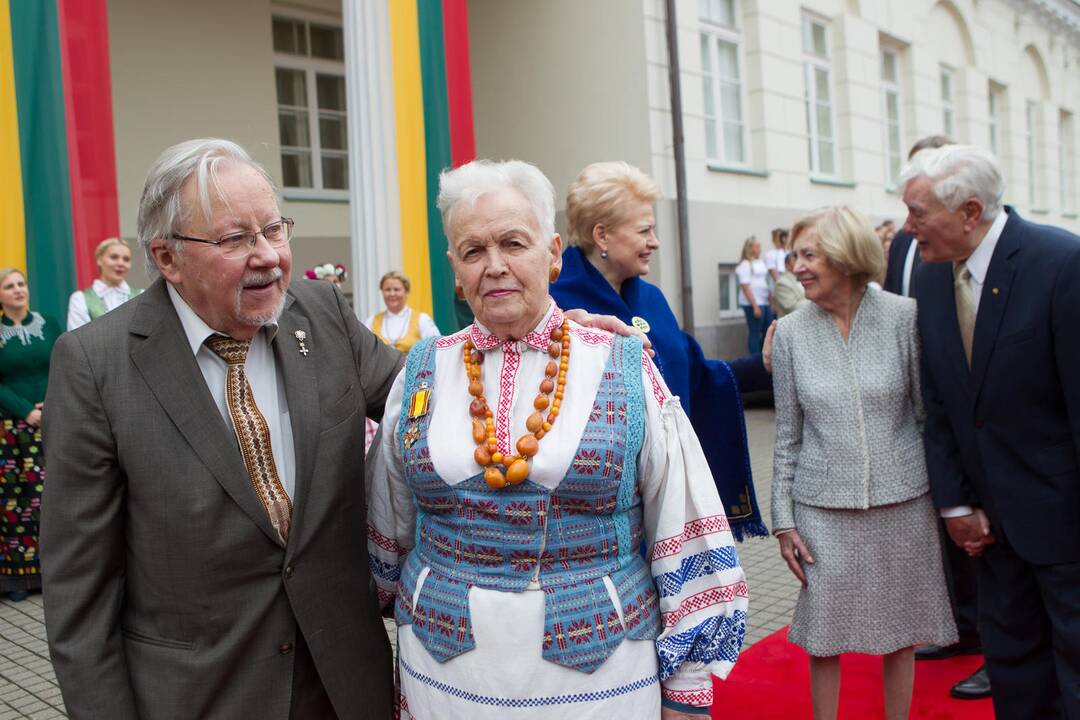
205	68
1010	43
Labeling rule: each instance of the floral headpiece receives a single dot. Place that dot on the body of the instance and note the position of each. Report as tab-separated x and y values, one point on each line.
321	272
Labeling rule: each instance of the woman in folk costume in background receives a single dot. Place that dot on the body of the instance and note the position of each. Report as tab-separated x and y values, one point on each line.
529	461
26	340
399	325
612	225
109	291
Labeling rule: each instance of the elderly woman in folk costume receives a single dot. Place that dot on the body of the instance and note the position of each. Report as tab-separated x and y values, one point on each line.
525	463
400	325
109	291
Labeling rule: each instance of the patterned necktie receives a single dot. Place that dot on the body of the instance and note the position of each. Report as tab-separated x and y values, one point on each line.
965	306
252	433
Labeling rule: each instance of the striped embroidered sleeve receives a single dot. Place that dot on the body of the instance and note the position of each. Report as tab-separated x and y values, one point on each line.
390	513
701	586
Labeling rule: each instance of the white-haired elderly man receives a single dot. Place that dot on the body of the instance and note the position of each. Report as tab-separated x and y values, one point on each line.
999	314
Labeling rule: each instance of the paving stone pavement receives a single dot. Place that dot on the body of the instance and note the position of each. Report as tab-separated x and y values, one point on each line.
28	686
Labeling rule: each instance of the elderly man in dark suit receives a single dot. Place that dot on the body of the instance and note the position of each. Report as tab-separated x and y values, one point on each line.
203	533
998	316
961	572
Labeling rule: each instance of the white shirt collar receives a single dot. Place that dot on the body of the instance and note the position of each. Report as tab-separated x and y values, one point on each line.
403	313
195	328
101	287
538	338
979	261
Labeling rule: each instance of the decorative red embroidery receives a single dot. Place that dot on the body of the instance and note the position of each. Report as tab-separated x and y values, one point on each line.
696	698
693	529
386	543
590	336
449	341
657	389
705	598
507	386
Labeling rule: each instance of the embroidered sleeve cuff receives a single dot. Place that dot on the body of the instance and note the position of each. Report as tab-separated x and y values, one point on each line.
695	700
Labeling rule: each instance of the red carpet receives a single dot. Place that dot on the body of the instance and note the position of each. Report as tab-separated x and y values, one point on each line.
772	680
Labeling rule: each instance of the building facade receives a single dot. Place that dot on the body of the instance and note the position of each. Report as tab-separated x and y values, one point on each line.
355	106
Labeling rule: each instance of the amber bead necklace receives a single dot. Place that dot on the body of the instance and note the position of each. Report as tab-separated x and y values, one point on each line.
487	453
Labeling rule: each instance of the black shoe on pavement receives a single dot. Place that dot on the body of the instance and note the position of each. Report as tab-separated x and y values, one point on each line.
940	652
975	687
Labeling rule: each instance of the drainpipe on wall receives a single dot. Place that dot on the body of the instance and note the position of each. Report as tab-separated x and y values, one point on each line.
682	208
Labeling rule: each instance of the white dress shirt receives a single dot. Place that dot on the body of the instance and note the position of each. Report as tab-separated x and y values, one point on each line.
909	265
978	263
267	385
111	298
395	325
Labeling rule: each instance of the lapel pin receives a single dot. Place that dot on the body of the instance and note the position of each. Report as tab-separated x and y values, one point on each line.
994	290
301	336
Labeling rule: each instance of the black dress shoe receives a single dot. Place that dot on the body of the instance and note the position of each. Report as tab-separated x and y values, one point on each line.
940	652
975	687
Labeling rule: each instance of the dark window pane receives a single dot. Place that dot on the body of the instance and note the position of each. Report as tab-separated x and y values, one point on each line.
330	92
335	172
291	87
285	32
327	42
296	169
333	134
293	128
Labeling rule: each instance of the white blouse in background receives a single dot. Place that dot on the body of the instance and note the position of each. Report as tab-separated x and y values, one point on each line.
754	273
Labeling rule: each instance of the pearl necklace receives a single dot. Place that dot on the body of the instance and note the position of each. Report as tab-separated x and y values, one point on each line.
487	454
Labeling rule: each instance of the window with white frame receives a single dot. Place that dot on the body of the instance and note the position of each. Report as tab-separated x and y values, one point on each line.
948	108
819	107
1031	117
309	70
890	112
728	291
995	112
1067	145
721	75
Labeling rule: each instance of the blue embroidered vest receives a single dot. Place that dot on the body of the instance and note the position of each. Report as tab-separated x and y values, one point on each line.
566	539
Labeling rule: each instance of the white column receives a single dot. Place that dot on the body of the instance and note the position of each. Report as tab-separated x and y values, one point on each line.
374	209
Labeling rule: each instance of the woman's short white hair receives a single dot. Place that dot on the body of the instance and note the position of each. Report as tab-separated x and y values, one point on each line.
469	182
161	208
959	173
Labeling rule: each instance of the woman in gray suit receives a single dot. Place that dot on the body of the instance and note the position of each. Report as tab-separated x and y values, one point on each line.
851	504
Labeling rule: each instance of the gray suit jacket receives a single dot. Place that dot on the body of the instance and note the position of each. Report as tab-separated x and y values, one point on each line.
168	594
848	415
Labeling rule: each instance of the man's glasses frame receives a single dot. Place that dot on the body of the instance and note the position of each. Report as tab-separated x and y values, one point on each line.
233	243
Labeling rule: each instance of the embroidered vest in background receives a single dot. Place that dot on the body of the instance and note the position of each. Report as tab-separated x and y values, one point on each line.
406	341
566	540
95	307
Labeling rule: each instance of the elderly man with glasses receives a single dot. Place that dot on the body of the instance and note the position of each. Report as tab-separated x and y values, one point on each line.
203	535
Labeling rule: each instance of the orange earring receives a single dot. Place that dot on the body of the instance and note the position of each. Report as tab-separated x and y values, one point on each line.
554	274
459	292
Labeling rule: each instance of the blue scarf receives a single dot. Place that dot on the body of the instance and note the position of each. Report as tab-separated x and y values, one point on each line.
708	389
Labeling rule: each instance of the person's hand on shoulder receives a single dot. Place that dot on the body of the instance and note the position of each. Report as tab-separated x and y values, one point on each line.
611	324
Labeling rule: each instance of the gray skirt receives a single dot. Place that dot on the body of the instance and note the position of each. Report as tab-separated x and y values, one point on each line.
876	585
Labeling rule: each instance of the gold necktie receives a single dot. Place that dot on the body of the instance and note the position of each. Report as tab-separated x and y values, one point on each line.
965	306
252	433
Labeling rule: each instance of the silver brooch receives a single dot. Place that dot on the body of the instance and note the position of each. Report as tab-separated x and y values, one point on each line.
301	336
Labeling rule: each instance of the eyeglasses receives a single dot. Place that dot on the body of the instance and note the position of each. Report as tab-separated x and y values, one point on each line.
241	244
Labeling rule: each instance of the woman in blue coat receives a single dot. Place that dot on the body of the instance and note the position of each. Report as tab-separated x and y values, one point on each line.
612	229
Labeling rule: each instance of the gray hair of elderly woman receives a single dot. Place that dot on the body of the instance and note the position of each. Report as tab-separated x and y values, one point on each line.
162	209
959	173
471	181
